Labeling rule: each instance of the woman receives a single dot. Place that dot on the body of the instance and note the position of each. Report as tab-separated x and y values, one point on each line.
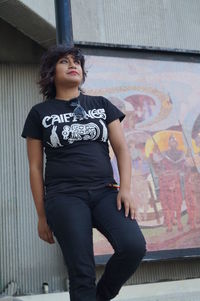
79	190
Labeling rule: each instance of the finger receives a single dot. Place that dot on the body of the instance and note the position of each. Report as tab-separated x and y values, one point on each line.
126	206
119	203
50	237
43	237
132	212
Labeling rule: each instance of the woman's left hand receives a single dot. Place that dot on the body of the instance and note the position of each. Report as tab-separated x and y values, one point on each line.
125	197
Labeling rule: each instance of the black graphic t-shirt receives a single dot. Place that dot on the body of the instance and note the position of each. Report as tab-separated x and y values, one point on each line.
76	146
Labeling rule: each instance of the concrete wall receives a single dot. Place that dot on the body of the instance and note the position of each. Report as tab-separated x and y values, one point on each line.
29	22
45	9
16	47
150	23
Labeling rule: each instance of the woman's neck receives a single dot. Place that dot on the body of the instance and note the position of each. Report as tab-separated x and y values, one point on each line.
67	94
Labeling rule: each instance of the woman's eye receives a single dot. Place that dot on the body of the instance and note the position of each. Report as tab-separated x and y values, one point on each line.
77	62
64	61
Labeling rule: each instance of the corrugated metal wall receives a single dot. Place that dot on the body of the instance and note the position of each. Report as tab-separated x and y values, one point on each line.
8	204
24	258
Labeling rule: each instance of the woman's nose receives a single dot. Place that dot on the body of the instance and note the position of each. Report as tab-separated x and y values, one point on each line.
72	64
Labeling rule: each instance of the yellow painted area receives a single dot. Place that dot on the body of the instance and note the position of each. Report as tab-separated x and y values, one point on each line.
195	147
161	139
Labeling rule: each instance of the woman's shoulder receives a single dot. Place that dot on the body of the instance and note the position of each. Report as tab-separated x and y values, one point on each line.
95	98
42	105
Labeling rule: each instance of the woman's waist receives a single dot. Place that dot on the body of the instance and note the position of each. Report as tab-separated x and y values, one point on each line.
76	184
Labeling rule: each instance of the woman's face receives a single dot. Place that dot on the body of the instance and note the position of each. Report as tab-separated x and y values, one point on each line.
68	71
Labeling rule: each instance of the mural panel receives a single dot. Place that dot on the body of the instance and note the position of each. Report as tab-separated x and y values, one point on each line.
162	128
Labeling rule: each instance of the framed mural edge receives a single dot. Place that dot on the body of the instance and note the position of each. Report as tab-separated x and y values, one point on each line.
158	90
182	254
144	52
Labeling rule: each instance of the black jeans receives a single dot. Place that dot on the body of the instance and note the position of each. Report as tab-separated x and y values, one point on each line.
71	217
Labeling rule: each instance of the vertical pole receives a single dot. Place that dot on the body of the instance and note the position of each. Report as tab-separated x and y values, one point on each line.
64	31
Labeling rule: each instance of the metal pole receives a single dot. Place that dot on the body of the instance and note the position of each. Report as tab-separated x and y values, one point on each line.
64	32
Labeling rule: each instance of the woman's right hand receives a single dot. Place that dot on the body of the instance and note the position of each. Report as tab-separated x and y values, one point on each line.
44	231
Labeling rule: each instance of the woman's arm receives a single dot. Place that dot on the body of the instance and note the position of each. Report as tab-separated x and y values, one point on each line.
120	148
35	157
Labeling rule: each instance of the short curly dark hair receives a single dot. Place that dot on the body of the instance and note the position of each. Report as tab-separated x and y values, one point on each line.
48	64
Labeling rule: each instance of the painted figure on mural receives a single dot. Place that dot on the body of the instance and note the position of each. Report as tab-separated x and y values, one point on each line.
140	175
171	164
192	195
192	185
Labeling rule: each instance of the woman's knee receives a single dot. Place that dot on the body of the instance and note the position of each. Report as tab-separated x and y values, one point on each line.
133	247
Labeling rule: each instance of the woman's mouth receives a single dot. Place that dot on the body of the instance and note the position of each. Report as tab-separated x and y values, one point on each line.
73	72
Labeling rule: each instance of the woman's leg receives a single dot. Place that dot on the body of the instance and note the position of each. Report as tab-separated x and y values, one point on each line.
127	240
69	217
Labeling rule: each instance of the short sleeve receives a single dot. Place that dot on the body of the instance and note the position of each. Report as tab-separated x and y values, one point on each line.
112	112
32	127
